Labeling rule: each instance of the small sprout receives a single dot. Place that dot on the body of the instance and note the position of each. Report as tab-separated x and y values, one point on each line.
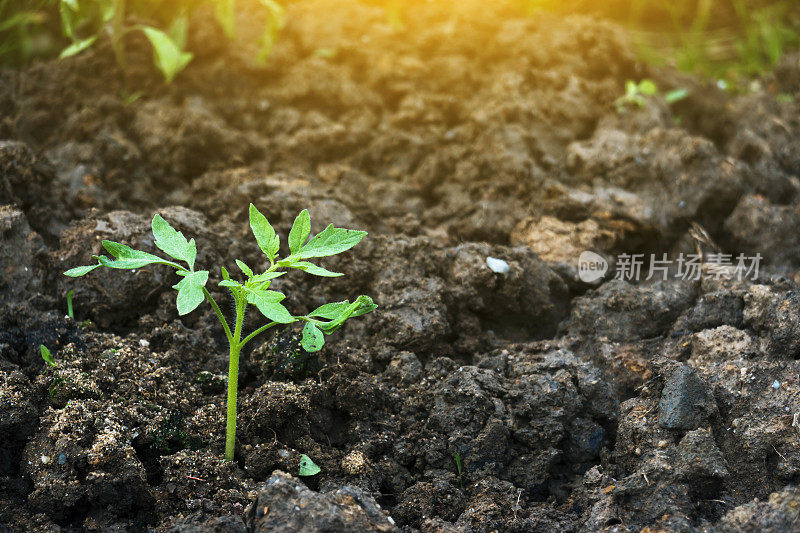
457	458
635	94
192	290
70	312
308	467
47	356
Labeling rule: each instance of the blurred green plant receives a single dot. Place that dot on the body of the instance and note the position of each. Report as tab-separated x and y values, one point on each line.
635	94
728	39
167	27
22	30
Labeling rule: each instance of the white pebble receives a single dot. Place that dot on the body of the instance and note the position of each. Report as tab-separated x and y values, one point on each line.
144	343
776	384
497	265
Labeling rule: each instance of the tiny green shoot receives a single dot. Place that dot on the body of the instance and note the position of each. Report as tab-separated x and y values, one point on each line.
47	356
70	312
253	291
635	94
308	467
457	458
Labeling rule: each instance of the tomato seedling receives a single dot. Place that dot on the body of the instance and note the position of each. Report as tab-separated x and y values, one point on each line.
192	290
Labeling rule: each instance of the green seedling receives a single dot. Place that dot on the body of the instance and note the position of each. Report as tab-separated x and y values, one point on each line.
70	312
307	467
457	458
192	290
636	94
47	356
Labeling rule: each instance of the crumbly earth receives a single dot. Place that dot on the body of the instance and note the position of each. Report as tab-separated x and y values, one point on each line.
472	400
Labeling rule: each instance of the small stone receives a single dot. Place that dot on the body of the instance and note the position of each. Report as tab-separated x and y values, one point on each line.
354	463
144	343
776	384
497	265
686	402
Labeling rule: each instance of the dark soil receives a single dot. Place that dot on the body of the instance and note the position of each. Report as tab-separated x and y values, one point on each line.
466	134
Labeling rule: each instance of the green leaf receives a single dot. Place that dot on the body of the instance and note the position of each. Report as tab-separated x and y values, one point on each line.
244	268
172	242
313	339
230	283
310	268
275	23
77	47
330	310
331	241
48	358
266	276
190	291
81	270
168	57
301	229
268	303
307	466
226	15
179	31
128	258
264	233
225	274
338	312
647	87
676	95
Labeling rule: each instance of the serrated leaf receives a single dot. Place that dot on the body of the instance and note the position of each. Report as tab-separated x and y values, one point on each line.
310	268
312	340
330	241
46	355
265	235
128	258
80	271
301	229
268	303
168	57
308	467
190	291
172	242
77	47
244	268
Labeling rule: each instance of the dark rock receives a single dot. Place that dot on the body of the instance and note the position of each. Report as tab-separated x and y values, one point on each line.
284	503
686	403
775	315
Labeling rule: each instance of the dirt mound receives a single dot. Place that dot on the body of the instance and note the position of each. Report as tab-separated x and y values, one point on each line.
493	389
